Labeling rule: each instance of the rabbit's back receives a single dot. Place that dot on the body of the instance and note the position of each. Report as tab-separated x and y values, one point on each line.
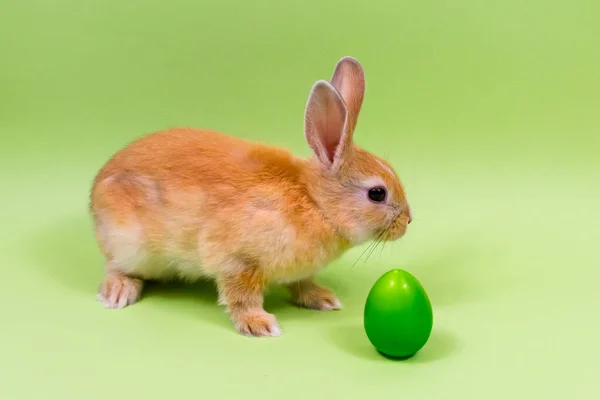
182	156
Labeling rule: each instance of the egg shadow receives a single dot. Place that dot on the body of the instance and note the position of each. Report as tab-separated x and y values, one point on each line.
442	344
352	339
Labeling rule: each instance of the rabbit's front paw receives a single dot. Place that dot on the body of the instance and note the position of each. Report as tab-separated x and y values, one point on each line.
257	323
119	291
308	294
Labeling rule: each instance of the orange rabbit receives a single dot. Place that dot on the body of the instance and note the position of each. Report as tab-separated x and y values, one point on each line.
191	204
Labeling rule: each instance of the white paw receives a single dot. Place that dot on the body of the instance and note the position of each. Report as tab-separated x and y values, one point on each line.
320	300
119	291
258	324
330	304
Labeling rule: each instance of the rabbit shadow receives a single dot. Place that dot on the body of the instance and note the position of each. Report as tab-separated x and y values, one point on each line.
199	301
66	252
277	300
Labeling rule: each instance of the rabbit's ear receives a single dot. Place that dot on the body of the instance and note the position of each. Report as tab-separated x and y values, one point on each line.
349	80
325	122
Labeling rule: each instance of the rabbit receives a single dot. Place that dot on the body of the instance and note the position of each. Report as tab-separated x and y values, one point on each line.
192	204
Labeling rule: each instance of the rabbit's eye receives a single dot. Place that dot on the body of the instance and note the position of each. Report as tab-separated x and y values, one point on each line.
377	194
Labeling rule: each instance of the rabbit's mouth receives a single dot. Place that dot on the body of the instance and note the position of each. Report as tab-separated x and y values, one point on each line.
397	228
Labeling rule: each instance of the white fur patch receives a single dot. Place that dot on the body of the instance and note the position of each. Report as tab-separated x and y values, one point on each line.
372	182
362	234
124	244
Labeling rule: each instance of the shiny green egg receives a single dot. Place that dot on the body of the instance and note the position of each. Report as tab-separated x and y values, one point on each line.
398	317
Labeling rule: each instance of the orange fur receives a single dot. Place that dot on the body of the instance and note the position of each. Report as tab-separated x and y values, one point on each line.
189	203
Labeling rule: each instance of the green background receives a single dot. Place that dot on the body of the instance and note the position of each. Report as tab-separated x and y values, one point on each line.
489	110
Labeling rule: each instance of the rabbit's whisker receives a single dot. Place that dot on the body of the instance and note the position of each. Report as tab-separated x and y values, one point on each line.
363	253
374	244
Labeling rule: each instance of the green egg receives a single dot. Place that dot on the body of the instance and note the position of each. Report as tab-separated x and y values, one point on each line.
398	317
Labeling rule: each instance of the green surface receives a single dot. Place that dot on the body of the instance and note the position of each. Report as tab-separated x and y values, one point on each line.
489	110
398	316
